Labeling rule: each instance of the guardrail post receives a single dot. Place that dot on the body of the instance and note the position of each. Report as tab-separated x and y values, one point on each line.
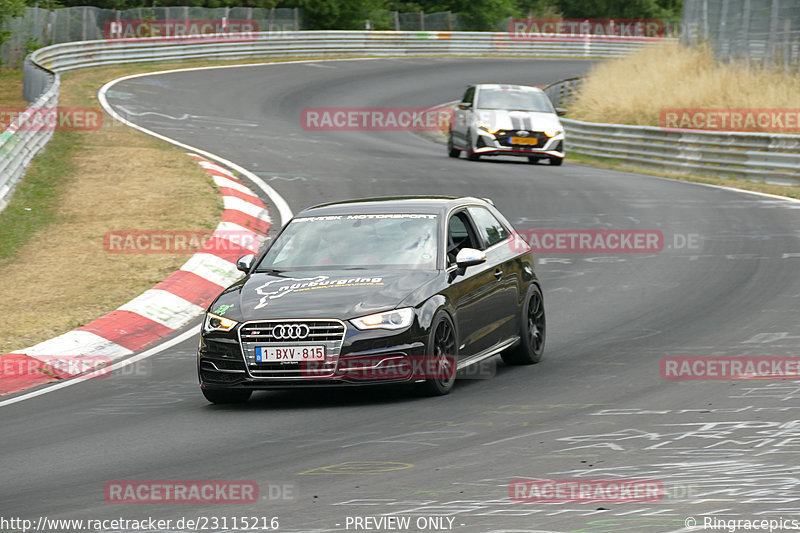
787	44
705	20
723	44
769	53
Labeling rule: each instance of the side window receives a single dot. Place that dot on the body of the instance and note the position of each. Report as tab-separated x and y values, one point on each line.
491	229
459	235
468	95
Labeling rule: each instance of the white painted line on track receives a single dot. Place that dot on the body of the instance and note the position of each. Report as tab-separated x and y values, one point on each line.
520	436
284	210
221	272
724	187
104	371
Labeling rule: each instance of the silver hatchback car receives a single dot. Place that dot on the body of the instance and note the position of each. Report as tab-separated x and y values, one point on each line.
511	120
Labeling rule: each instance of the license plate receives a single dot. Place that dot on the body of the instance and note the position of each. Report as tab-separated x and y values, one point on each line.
273	354
524	140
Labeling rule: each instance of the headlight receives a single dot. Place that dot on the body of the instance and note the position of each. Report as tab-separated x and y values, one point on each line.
395	319
217	323
483	126
552	132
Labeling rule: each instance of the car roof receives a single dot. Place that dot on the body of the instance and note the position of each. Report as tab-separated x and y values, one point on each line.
392	204
506	87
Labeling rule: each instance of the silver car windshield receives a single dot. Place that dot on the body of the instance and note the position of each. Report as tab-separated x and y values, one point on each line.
355	241
514	100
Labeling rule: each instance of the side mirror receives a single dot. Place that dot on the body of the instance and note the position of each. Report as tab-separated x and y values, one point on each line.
465	105
245	262
469	256
560	111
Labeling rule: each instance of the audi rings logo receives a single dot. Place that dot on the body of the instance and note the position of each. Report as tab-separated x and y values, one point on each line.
290	331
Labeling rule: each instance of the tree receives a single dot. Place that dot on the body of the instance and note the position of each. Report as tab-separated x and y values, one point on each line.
337	14
484	15
9	9
630	9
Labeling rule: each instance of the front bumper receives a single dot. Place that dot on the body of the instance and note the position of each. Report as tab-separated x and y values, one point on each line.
361	358
500	143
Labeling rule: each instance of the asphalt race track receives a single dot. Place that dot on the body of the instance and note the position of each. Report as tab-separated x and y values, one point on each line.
596	407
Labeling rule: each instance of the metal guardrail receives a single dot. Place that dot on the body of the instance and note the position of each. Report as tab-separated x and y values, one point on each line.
562	93
17	148
93	53
19	144
763	157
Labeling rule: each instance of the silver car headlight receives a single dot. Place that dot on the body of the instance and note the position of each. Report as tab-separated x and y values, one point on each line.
214	322
394	319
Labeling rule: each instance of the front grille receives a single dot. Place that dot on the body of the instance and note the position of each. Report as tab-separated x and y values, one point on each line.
504	138
318	331
329	333
218	377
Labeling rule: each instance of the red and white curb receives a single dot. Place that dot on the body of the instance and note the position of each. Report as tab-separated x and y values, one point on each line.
158	312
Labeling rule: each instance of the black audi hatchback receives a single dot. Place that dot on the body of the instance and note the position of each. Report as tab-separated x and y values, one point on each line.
371	291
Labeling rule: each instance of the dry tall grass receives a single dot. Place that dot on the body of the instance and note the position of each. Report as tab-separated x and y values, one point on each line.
634	89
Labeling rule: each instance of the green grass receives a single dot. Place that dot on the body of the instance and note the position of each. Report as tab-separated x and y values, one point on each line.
35	200
11	89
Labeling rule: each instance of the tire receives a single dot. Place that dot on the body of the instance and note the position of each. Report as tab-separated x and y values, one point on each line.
452	151
442	345
472	156
532	159
556	161
226	396
533	329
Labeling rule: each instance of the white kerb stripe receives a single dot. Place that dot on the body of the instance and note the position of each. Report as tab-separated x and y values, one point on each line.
225	182
237	204
213	166
77	342
163	307
215	269
240	235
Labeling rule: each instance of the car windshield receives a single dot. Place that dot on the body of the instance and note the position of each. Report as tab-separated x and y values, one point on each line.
355	241
514	100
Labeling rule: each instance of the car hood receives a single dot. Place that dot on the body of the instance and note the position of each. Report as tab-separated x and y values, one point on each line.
501	119
341	294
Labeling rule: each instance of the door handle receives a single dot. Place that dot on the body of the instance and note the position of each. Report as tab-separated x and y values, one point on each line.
498	273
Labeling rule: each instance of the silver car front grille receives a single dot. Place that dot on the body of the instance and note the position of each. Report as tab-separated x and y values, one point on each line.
286	333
